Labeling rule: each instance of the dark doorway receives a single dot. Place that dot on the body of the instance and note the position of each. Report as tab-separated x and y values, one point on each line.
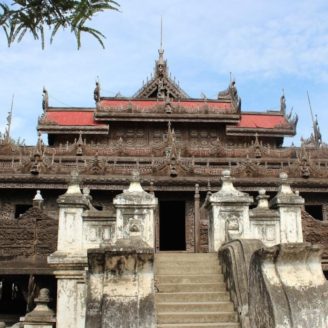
172	229
315	211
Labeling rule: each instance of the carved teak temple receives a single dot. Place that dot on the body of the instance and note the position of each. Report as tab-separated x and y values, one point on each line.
179	145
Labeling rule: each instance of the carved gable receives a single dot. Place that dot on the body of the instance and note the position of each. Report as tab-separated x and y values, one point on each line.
161	85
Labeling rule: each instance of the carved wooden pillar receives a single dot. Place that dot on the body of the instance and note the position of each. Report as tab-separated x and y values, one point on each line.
196	218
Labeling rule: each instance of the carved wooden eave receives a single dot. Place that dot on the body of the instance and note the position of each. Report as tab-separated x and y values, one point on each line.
249	132
94	130
184	181
186	110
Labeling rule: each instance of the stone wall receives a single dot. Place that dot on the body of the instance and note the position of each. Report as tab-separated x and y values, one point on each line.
34	234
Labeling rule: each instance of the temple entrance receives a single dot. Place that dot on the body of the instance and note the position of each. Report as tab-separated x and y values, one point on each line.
172	227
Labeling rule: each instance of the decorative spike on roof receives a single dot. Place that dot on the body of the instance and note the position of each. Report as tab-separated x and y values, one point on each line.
45	99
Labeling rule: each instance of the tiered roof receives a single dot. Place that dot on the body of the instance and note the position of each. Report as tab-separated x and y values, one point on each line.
161	99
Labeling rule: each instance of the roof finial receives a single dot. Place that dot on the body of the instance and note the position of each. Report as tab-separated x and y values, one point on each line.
161	32
283	103
96	92
315	124
9	119
161	50
45	99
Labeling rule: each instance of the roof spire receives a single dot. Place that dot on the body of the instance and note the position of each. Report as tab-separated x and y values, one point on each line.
161	32
9	120
316	136
161	50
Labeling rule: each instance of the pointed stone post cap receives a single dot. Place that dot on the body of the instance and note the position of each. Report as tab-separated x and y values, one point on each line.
74	184
284	187
73	195
262	199
38	200
227	180
228	193
285	195
41	313
135	185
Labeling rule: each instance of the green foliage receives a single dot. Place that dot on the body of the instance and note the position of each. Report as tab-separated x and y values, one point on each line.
35	16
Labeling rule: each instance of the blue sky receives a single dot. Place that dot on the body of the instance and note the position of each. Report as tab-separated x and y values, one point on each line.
267	45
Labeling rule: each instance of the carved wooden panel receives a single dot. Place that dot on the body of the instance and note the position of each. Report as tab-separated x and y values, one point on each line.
190	226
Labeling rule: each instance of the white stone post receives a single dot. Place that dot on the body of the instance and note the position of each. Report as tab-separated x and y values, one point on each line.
228	213
70	259
289	205
135	209
264	222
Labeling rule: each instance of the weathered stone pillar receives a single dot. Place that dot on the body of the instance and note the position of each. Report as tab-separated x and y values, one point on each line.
228	213
121	277
41	316
135	210
121	286
70	259
289	205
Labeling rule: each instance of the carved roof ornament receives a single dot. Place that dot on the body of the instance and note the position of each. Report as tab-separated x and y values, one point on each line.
79	145
231	94
283	103
257	147
45	99
315	139
96	92
6	137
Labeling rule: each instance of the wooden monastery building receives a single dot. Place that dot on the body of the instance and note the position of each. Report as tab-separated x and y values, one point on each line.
178	144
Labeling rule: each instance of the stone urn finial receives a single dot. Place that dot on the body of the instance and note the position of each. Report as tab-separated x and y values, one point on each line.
74	183
135	176
38	200
262	199
227	181
41	313
135	185
284	187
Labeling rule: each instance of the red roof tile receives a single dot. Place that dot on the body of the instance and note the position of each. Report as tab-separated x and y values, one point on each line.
265	121
72	118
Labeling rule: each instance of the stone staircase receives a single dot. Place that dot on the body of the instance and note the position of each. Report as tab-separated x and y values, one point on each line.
191	292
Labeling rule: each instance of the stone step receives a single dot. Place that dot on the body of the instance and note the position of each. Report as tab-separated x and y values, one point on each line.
164	257
185	279
196	317
195	307
200	325
192	297
194	287
182	268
